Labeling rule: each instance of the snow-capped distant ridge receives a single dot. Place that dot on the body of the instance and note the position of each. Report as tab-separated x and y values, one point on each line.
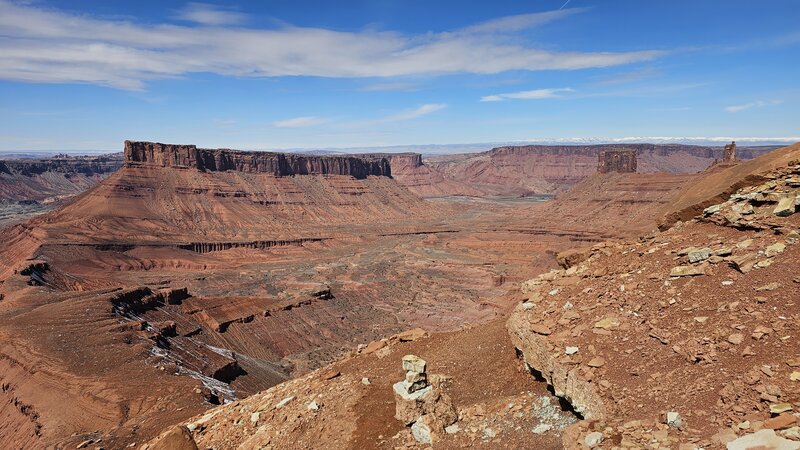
440	149
704	140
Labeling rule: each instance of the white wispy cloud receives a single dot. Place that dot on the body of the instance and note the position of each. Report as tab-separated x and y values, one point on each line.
207	14
401	116
298	122
415	113
521	21
38	44
536	94
756	104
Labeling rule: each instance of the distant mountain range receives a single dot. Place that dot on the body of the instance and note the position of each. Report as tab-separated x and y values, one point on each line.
443	149
38	154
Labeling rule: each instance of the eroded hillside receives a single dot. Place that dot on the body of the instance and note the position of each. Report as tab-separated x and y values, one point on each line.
32	186
192	277
678	339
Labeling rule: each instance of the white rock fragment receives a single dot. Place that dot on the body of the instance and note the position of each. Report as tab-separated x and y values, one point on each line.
593	439
674	420
542	428
452	429
421	432
284	402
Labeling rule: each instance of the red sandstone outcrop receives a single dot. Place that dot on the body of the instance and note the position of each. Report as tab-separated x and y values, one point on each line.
622	161
543	169
424	180
277	164
729	153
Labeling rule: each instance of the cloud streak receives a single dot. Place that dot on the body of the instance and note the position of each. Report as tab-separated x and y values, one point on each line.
423	110
51	46
299	122
402	116
536	94
405	115
756	104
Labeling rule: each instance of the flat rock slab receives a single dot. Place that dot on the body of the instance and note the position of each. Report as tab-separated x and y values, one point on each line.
764	439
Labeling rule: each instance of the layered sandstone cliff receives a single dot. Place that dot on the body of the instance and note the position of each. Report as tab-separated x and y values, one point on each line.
39	179
87	166
425	180
641	149
278	164
513	171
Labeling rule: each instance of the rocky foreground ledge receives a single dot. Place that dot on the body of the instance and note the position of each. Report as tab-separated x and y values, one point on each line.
279	164
684	339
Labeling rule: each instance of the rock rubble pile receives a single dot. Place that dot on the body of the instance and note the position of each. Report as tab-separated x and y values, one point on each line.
684	339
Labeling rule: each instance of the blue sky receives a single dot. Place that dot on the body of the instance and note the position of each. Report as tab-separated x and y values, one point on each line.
318	74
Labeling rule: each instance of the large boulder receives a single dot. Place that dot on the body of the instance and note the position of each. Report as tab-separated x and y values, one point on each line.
765	439
786	206
573	257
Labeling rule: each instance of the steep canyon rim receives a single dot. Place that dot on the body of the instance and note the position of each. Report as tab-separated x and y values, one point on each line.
193	276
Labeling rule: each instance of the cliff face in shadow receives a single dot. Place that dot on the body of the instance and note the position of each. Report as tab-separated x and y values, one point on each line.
278	164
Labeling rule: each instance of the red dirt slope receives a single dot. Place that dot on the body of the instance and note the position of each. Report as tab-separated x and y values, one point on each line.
699	321
719	184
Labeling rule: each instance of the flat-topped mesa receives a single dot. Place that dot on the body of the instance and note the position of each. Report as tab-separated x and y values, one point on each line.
622	161
406	159
96	165
278	164
641	149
